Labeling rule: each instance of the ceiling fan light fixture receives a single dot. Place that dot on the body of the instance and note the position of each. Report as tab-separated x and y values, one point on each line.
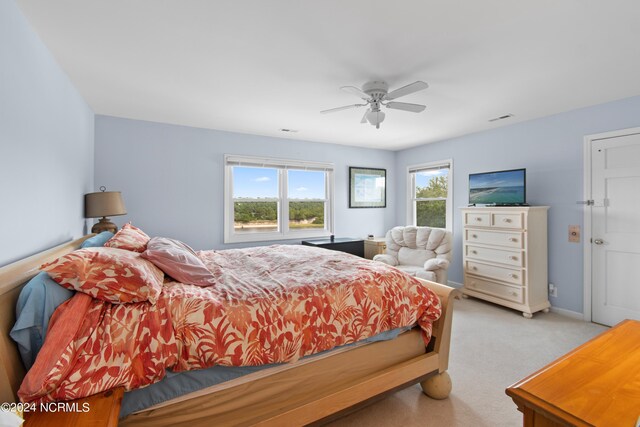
376	94
375	118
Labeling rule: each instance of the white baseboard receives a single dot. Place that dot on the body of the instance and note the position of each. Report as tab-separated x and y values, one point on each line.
567	313
561	311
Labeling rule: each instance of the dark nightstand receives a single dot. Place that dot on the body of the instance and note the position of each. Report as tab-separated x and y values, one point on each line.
342	244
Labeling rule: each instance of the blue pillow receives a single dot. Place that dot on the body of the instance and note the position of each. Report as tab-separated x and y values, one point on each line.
38	299
97	241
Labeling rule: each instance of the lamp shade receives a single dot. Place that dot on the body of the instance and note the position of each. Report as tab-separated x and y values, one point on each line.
375	117
103	203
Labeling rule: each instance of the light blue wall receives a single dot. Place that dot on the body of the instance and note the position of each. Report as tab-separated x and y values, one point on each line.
46	144
171	177
551	149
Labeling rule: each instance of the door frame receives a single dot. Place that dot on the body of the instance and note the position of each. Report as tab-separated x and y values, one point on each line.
586	243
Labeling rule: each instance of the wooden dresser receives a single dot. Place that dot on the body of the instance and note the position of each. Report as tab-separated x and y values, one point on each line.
597	384
505	256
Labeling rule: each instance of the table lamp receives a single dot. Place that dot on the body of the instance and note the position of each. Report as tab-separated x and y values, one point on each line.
102	204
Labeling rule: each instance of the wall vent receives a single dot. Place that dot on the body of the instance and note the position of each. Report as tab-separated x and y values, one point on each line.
506	116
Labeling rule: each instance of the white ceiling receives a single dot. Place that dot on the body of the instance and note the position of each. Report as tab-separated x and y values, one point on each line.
256	66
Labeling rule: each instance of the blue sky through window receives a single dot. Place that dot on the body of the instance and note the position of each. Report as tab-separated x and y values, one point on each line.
258	183
306	184
423	178
255	183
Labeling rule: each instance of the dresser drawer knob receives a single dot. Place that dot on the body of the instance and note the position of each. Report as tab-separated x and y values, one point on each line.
506	220
514	293
473	284
474	268
515	276
478	218
513	257
513	239
475	236
474	252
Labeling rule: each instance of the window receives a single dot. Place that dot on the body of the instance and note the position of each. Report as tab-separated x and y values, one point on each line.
275	199
430	194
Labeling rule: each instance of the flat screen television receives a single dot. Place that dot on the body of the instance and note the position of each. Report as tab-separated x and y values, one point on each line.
500	188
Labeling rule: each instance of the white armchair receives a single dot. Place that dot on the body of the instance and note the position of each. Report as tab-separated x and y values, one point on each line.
423	252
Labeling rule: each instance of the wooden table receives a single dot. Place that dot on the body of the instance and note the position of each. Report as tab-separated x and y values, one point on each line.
375	246
597	384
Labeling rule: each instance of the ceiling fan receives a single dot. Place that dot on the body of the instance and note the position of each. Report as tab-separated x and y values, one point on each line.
376	94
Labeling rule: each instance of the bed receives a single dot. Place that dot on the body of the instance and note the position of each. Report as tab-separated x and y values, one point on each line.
310	390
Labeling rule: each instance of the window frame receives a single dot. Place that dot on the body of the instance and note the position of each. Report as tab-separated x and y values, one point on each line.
411	191
282	166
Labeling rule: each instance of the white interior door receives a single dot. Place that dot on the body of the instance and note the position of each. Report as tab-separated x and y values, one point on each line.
615	229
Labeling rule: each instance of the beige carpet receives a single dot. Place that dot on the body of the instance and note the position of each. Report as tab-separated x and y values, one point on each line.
492	347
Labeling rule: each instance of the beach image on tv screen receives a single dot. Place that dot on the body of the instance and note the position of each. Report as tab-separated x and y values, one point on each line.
500	187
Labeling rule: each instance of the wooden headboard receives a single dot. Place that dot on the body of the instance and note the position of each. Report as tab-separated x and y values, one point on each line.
12	278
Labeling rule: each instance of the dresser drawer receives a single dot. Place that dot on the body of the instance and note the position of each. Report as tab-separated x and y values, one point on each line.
507	220
515	258
506	292
507	239
499	273
477	219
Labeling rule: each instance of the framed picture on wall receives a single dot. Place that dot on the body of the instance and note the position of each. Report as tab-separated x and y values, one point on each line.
367	188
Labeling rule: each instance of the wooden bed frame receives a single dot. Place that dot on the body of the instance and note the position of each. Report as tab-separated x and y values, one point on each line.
312	390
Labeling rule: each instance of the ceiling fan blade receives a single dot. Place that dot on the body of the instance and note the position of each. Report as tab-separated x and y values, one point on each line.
356	91
405	106
346	107
406	90
364	117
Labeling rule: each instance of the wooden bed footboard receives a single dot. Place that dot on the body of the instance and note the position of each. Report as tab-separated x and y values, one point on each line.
320	390
292	395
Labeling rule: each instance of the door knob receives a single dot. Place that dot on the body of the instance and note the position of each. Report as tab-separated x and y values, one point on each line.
598	241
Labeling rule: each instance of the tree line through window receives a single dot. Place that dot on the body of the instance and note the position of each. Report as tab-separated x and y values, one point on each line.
263	216
430	190
270	199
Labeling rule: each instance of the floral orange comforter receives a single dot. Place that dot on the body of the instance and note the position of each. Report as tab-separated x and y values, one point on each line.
271	305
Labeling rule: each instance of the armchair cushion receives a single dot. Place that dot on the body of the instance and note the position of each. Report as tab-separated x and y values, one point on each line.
423	252
387	259
436	263
426	275
414	256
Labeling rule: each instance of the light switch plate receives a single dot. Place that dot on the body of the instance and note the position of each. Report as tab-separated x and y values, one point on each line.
574	233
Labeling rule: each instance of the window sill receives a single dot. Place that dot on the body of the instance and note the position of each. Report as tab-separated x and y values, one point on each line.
265	237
